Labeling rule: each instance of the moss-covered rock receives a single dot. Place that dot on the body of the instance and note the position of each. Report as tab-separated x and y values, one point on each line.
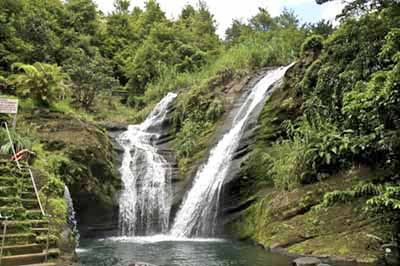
82	155
295	222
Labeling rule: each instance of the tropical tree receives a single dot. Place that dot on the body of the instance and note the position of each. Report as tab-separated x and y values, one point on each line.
89	76
44	83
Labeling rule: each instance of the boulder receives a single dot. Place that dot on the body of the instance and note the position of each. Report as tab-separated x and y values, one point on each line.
306	261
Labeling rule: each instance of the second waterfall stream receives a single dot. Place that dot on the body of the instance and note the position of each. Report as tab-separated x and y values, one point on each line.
197	216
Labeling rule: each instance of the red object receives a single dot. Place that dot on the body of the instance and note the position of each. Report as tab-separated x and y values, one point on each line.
21	155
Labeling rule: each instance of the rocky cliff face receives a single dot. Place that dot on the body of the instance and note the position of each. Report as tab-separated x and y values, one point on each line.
82	155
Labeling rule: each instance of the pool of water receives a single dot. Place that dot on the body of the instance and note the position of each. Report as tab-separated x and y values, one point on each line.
163	251
167	251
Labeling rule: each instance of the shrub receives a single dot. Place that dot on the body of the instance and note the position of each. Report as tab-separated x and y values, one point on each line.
20	142
313	44
44	83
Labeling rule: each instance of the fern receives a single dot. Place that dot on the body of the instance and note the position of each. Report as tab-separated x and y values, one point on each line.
388	199
359	191
337	196
20	142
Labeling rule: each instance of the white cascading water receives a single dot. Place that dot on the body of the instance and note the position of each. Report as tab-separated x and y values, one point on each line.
198	213
146	199
73	224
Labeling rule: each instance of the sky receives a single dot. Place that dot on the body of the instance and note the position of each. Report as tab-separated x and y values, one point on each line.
227	10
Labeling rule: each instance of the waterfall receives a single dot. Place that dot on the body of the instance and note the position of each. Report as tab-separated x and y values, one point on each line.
146	199
198	213
71	215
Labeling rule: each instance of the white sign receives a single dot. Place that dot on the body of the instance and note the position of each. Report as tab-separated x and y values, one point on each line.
8	106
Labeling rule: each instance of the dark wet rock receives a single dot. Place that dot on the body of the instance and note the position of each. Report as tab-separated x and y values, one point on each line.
392	255
114	126
66	242
306	261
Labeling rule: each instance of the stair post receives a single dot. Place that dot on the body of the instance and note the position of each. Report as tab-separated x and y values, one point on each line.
47	240
3	238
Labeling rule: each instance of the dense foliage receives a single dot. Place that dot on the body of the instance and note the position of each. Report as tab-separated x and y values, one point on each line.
347	92
342	100
99	52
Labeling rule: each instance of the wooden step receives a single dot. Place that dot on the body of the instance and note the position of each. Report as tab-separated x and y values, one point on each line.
7	181
27	203
30	203
28	194
41	230
30	223
25	225
19	239
12	212
4	201
35	214
7	191
14	172
24	259
22	249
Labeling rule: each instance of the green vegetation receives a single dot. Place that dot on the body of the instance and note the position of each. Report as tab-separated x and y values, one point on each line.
43	83
337	110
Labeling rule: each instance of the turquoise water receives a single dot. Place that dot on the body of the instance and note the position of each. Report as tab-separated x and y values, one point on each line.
163	252
166	251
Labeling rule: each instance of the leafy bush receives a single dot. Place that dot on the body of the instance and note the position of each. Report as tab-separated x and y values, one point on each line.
186	138
20	142
215	110
44	83
313	44
90	76
289	164
387	200
54	187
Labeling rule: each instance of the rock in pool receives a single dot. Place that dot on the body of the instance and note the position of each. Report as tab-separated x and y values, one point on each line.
306	261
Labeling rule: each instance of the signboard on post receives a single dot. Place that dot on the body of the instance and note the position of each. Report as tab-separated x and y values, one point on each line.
9	106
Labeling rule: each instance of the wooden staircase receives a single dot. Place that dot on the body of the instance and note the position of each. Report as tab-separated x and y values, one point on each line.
26	234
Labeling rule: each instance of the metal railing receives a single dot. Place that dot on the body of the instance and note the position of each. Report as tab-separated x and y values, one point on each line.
37	198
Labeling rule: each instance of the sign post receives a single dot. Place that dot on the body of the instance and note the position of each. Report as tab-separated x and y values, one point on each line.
9	106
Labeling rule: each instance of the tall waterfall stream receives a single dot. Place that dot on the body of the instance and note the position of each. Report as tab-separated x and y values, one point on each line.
146	198
199	211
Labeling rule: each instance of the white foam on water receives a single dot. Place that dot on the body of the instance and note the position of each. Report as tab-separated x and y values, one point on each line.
82	250
160	238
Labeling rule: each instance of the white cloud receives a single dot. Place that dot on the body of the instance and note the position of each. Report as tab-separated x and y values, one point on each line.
331	9
227	10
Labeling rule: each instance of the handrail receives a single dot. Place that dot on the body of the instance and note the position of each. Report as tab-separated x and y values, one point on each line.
29	170
37	197
36	192
12	144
